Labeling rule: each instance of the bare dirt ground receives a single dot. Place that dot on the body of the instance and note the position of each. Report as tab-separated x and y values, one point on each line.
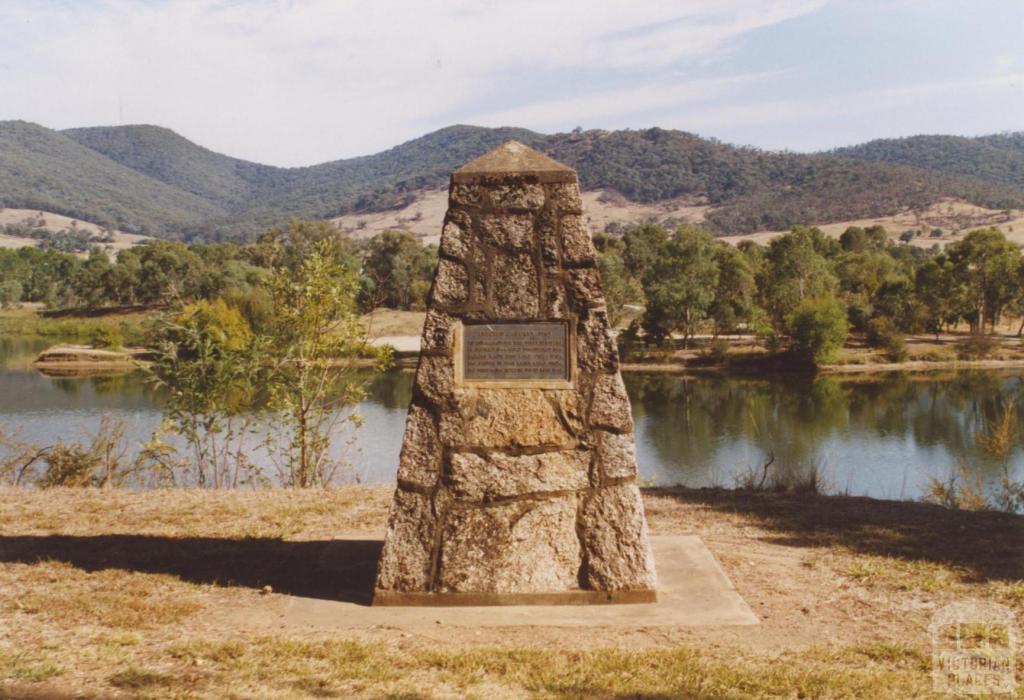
601	207
122	594
954	217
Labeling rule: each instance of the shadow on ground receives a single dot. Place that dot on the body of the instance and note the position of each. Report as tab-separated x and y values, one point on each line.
341	570
988	545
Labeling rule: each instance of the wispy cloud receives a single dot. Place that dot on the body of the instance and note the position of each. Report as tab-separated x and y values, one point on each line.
854	104
298	82
295	82
611	107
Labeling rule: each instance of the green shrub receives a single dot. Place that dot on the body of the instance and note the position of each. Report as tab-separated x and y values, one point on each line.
10	294
882	333
255	305
134	333
818	328
106	337
216	321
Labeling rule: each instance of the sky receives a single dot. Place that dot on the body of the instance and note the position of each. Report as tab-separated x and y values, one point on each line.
296	83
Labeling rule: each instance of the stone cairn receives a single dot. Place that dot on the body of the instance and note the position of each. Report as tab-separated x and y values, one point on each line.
517	477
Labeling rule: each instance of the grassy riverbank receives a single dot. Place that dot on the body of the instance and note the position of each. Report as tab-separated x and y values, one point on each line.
727	355
32	321
162	594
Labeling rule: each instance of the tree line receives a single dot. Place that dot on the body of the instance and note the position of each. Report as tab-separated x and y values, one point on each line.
803	287
393	269
808	288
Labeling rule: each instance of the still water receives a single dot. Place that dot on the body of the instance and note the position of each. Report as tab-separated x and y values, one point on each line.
882	436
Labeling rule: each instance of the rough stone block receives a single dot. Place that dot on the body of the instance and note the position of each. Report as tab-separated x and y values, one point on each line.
519	196
474	477
584	288
514	287
519	547
510	232
577	247
548	238
455	239
510	418
479	267
405	563
438	332
420	460
616	454
435	381
609	405
451	284
565	198
556	302
465	195
595	345
617	555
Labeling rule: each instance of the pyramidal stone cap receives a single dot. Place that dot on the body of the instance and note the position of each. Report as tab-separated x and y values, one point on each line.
513	161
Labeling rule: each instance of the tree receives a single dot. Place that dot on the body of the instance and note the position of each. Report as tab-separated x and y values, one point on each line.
10	293
620	288
859	240
734	295
681	284
399	270
211	367
88	287
794	270
818	328
860	275
644	245
316	334
937	290
988	265
289	246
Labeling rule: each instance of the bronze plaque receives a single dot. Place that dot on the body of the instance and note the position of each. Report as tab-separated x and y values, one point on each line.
502	352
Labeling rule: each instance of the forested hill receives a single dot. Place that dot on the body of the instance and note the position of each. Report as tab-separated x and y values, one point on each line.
998	158
148	179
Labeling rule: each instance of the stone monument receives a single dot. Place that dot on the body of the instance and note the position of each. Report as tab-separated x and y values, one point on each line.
517	477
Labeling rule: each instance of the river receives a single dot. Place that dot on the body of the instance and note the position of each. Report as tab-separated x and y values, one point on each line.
882	436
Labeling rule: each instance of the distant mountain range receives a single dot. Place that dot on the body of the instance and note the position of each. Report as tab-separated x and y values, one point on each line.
150	180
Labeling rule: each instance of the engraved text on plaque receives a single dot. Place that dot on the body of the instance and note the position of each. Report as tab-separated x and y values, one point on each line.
502	352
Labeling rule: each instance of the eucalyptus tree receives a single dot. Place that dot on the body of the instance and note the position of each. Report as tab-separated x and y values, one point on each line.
794	270
988	265
681	284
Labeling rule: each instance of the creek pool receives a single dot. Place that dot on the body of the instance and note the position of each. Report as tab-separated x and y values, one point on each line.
882	436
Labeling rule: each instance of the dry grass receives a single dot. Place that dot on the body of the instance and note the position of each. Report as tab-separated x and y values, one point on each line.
392	322
63	594
293	514
295	668
120	594
58	222
424	216
955	217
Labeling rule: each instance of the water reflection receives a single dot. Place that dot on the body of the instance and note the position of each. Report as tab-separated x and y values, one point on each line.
879	436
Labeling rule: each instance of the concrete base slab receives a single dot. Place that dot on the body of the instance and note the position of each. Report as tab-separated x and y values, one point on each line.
692	591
